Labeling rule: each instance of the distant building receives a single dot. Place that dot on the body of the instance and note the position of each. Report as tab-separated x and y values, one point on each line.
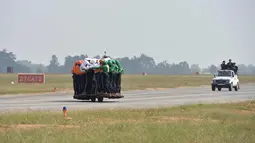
9	70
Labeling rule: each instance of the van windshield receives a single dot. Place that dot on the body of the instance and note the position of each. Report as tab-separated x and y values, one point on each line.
224	73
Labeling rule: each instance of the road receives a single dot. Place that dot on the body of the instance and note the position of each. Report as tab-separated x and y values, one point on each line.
132	99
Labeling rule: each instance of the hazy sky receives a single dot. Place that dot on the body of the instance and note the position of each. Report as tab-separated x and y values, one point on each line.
199	31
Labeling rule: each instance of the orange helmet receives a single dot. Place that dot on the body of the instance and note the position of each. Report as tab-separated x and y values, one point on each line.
76	67
79	62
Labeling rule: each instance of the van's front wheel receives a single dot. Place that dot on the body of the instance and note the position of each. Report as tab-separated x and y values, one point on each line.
213	88
230	87
100	99
93	99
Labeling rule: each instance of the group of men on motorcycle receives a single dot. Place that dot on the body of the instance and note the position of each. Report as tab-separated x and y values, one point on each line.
102	76
229	66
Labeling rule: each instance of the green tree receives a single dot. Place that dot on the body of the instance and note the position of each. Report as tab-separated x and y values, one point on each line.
54	64
8	59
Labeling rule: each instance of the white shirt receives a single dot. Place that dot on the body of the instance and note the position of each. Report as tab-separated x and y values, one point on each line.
85	66
95	63
89	63
88	59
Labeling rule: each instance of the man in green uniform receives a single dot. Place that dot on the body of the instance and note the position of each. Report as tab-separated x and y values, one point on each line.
115	75
110	64
104	67
113	70
119	72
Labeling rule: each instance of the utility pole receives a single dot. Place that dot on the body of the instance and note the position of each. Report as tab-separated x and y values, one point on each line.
105	54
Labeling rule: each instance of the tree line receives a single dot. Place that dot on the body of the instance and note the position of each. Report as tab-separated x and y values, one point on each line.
134	65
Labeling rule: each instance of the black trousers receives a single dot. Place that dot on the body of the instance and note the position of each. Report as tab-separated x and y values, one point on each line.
111	82
75	84
118	82
94	88
106	83
90	81
83	80
98	77
114	81
79	82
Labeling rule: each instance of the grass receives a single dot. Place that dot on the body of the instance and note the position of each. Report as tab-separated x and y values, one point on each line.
233	123
129	82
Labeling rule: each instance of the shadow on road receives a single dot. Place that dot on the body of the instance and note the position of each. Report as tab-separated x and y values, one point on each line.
88	101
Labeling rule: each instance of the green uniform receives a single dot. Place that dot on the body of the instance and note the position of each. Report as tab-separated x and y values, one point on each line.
120	71
111	66
105	68
120	68
115	67
105	84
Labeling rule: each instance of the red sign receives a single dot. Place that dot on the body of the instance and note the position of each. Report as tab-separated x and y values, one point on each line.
31	78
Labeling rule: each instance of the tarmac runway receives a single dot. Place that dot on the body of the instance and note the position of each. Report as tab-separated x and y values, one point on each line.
132	99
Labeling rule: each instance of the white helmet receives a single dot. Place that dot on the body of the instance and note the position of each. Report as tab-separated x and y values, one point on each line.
88	59
93	61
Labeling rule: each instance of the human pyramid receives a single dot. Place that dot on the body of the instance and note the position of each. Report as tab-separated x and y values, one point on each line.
97	76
